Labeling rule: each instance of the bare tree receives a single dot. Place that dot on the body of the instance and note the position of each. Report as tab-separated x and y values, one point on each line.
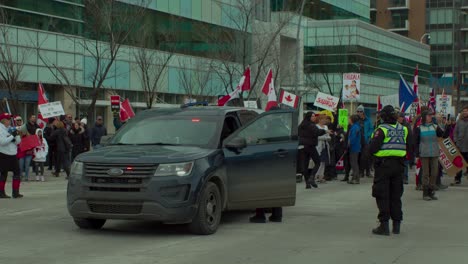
12	61
195	76
109	25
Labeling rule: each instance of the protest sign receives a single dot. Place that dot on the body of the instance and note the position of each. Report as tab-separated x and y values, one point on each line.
392	100
51	109
326	101
251	104
351	86
450	157
343	118
443	104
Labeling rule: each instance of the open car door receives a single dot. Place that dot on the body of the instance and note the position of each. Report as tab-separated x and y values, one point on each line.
260	160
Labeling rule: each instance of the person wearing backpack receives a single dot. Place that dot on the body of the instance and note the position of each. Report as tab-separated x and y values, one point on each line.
64	146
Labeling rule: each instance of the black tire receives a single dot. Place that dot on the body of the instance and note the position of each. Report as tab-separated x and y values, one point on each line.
208	216
88	223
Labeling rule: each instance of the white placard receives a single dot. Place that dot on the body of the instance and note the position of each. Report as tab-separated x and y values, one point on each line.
351	87
392	100
51	109
444	104
326	101
251	104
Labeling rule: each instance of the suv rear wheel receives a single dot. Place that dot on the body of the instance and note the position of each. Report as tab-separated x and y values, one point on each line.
88	223
207	219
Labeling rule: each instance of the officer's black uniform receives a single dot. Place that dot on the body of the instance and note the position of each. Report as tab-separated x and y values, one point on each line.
388	180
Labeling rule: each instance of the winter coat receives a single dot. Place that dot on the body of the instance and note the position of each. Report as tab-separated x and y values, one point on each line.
32	128
77	137
461	134
323	144
354	139
47	134
40	152
309	133
8	143
59	137
366	129
425	140
97	132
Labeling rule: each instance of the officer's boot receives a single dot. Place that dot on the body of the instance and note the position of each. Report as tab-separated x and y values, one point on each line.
383	229
396	227
431	194
426	196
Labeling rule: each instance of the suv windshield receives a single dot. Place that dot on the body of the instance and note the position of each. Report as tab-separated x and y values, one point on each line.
169	130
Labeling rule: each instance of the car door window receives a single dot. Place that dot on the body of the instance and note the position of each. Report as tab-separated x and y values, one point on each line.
245	116
267	129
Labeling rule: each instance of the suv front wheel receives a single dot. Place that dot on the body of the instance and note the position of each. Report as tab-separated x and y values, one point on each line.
88	223
208	216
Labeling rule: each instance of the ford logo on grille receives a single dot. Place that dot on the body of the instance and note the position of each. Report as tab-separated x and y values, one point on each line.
115	172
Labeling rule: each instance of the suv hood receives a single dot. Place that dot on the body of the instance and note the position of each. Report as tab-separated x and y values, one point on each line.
130	154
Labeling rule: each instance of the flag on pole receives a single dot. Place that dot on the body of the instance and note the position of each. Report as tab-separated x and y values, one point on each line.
289	99
406	95
379	104
41	95
432	101
269	90
416	90
41	99
244	85
126	111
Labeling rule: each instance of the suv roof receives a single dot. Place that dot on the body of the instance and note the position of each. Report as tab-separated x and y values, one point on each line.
202	111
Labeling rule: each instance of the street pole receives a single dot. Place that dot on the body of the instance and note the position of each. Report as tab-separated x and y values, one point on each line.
298	47
453	46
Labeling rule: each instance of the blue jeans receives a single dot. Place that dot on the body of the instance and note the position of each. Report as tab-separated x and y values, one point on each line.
24	164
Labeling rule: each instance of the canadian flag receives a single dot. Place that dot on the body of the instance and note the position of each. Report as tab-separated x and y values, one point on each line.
41	99
244	85
41	96
269	90
379	104
416	92
289	99
126	111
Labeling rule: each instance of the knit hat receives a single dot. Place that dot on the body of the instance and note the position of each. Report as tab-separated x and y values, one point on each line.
84	121
5	116
360	108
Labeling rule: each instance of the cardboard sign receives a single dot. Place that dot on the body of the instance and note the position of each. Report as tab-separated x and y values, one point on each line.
115	103
29	142
326	101
51	109
444	104
450	157
351	87
343	119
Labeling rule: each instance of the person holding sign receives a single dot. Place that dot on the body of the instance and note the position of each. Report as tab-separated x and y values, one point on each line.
427	149
389	146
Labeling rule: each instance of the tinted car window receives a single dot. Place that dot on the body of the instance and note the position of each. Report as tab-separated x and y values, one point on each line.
269	128
200	131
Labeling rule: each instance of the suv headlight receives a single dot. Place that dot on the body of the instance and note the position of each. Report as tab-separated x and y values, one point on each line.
77	168
174	169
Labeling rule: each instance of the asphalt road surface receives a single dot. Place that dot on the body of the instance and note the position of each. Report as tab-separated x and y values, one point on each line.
331	224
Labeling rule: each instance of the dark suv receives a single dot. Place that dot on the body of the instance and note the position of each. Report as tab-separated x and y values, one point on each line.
187	165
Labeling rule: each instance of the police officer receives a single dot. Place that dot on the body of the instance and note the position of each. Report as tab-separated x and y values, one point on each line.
9	140
389	145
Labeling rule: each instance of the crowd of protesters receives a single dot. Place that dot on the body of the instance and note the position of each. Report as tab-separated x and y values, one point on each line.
322	143
60	142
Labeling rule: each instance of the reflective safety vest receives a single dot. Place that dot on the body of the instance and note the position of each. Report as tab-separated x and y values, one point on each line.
394	144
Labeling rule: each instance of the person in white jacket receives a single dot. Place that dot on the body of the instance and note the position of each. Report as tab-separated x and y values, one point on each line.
9	140
40	155
323	148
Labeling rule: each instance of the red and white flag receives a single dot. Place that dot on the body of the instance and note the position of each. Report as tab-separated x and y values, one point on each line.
41	95
41	99
289	99
416	92
126	111
233	95
379	104
244	85
269	90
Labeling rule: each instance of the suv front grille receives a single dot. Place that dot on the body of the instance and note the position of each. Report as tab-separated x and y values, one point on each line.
105	208
133	179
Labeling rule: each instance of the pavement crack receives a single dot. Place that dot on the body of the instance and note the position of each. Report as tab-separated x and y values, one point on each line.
401	255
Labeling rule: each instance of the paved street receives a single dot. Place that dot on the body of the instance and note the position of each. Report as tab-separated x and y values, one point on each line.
329	225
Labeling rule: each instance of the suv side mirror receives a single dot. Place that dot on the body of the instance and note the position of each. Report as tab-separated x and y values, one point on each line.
236	144
105	140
